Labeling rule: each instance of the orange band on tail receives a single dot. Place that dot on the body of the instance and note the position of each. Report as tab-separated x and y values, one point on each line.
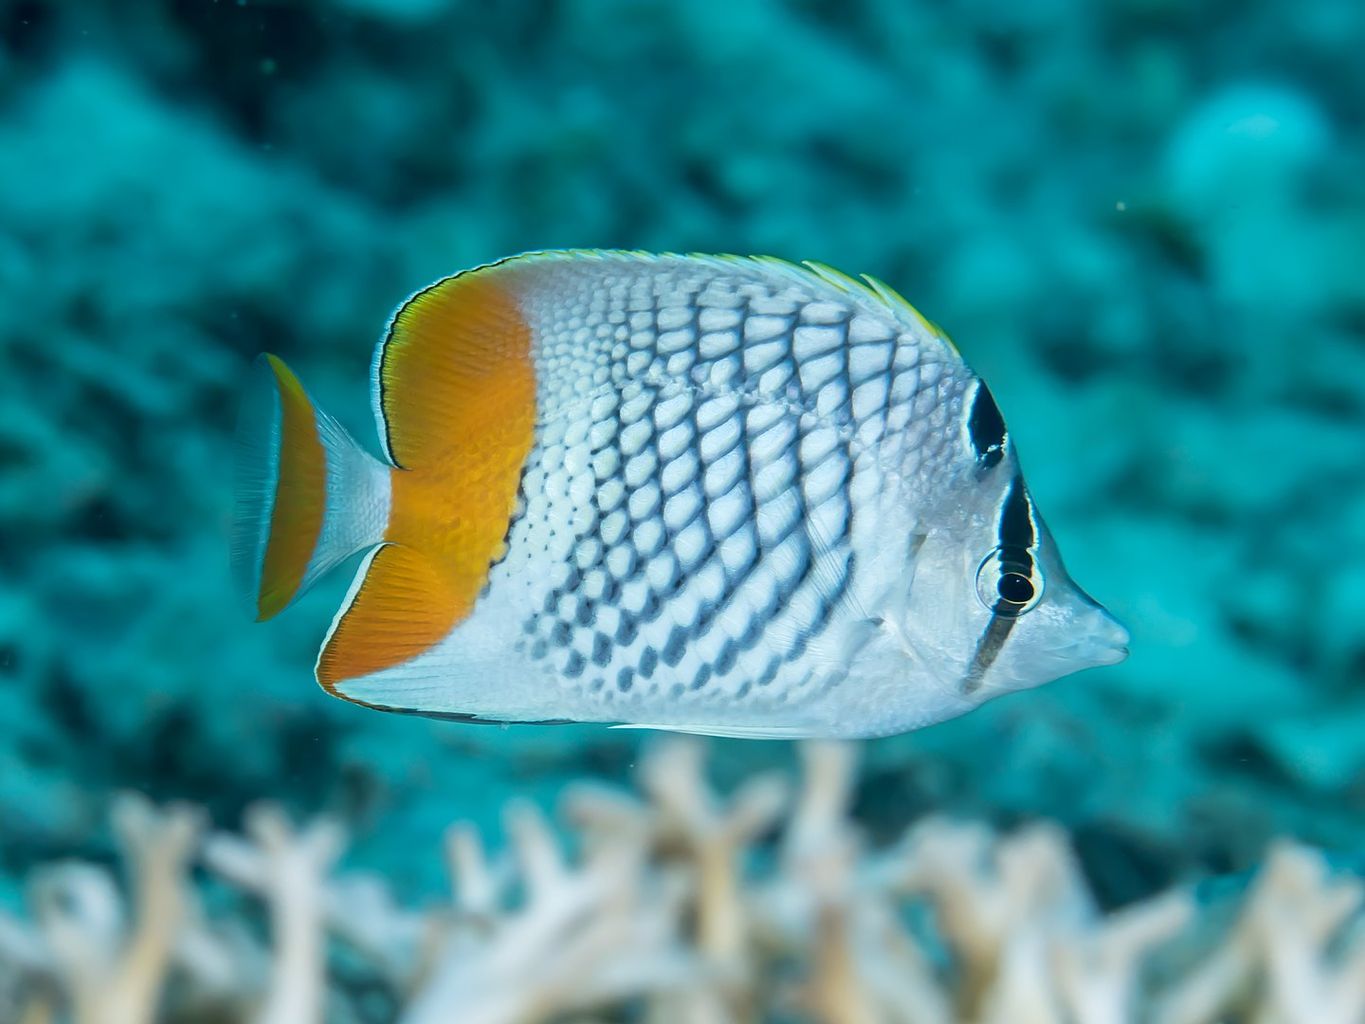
300	498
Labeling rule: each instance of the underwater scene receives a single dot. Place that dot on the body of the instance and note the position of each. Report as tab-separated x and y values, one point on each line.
902	768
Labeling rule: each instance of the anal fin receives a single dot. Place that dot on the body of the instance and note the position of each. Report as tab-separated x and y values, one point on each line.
399	606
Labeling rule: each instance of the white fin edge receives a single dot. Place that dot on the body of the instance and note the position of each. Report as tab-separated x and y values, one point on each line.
351	592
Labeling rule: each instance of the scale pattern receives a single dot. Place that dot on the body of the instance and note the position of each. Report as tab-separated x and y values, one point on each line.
714	442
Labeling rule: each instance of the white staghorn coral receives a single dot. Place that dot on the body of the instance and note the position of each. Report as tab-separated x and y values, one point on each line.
583	937
1292	953
289	870
676	910
111	967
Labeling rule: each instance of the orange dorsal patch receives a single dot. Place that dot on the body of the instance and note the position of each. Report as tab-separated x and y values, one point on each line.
457	397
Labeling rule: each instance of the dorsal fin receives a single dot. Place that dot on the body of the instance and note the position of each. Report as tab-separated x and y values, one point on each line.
452	354
868	288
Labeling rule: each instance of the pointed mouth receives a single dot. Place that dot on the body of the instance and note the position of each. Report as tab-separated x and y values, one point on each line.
1105	641
1111	655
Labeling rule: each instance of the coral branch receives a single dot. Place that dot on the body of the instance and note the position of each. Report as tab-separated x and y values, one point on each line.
674	907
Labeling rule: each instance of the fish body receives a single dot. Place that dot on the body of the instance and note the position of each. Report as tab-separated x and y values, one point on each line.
723	495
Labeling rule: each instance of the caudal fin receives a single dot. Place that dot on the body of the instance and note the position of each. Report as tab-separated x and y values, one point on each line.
306	496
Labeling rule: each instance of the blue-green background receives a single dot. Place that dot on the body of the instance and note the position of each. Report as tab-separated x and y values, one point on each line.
1142	220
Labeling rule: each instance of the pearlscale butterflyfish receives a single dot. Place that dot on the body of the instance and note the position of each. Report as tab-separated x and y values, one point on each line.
723	495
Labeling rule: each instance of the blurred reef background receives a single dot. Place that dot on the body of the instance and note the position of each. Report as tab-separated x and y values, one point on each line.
1143	221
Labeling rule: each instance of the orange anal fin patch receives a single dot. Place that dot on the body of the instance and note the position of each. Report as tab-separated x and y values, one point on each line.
401	606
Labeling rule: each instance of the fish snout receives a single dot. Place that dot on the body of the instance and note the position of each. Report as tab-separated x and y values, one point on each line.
1103	639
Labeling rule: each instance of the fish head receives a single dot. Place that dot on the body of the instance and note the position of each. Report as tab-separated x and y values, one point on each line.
991	607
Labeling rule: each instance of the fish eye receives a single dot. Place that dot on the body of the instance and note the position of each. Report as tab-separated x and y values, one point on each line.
1015	588
1008	582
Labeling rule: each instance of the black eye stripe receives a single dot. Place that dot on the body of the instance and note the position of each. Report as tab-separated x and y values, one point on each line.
986	428
988	648
1017	536
1016	520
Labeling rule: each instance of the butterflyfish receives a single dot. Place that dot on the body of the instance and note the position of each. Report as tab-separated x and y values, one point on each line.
723	495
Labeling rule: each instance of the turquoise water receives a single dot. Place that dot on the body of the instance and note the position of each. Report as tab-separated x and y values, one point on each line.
1142	221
